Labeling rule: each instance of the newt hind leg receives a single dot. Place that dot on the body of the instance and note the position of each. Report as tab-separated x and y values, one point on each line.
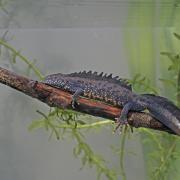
122	119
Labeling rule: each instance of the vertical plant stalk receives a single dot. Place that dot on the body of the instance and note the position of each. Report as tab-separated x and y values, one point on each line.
123	140
178	89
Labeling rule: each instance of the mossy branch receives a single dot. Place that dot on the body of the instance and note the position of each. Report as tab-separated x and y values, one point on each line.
58	98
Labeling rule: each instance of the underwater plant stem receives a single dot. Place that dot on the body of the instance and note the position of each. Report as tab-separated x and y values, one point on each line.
93	158
165	161
58	98
178	89
82	126
23	58
123	140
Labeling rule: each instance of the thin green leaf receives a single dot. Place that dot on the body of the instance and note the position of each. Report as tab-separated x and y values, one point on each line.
36	125
177	36
168	82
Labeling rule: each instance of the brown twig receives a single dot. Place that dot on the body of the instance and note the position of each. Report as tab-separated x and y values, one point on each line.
58	98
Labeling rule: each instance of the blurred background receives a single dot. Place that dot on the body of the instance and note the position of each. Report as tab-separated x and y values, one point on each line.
113	36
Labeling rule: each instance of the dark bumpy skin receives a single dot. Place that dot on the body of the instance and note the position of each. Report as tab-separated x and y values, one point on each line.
117	92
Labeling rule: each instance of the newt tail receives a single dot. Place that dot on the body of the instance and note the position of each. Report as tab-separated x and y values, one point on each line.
164	110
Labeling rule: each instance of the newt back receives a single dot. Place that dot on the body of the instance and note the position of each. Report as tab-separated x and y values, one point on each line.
113	90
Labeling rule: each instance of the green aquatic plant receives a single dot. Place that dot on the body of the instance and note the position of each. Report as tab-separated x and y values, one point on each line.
162	147
14	54
174	69
65	122
149	33
161	152
3	4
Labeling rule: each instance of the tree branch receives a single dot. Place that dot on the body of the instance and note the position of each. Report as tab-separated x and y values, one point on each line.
58	98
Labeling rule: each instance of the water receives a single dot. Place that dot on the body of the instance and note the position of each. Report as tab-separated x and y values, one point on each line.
85	13
67	36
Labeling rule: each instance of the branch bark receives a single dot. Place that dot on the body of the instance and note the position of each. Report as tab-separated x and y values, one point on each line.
58	98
